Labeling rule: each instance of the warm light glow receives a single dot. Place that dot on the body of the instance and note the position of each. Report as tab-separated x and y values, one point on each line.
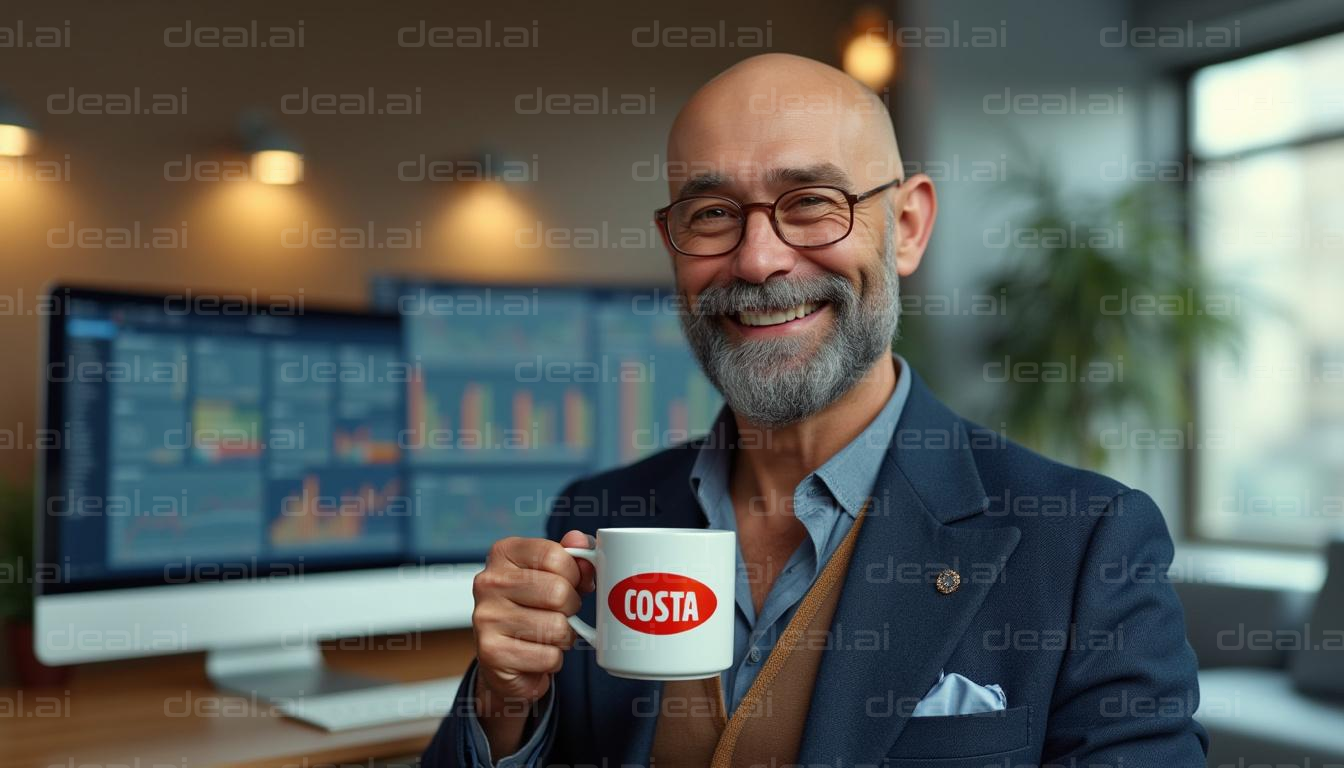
487	219
258	224
275	166
870	59
16	141
29	207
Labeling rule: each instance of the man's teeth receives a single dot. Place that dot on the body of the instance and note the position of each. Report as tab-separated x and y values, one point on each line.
778	316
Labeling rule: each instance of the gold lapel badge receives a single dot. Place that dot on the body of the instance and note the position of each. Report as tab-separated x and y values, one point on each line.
948	581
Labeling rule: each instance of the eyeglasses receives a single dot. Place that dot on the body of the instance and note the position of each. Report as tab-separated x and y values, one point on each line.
807	217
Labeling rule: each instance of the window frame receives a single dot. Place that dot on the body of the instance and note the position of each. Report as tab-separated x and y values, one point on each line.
1183	76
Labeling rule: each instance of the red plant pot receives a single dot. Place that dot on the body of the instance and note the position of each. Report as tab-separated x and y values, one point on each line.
30	672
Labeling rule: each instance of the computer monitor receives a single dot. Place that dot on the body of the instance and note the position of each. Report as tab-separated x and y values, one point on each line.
520	389
251	478
225	475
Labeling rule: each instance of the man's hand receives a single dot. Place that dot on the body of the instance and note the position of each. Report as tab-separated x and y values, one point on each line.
523	598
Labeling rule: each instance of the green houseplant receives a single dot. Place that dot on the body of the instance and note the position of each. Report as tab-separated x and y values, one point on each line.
16	553
17	577
1106	308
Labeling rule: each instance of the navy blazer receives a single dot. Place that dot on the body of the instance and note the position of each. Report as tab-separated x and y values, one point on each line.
1064	602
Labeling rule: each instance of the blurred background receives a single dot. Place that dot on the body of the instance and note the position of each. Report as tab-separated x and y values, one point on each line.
1137	264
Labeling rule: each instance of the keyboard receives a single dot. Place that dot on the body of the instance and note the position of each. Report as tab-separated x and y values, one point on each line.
383	705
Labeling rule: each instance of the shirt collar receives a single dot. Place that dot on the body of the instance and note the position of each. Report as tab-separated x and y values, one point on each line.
849	475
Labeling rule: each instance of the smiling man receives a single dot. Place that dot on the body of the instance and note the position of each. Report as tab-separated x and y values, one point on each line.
912	589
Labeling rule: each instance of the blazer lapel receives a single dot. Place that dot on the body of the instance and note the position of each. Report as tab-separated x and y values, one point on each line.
893	630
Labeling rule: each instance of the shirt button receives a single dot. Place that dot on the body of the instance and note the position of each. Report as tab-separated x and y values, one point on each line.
755	655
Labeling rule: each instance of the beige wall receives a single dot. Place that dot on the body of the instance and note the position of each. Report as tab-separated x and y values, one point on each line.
235	229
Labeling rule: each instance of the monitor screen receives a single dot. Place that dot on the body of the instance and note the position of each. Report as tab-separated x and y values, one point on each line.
201	437
517	391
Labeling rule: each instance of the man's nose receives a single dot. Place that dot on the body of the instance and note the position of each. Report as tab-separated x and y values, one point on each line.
762	253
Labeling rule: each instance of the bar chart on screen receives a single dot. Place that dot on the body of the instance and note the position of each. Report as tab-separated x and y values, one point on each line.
491	416
654	392
515	392
339	511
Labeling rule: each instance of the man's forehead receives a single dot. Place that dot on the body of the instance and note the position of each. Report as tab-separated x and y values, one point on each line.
729	135
720	177
758	152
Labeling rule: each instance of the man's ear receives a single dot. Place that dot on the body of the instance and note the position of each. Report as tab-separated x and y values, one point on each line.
915	208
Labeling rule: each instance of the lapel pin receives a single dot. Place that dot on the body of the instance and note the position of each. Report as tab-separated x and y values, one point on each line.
947	581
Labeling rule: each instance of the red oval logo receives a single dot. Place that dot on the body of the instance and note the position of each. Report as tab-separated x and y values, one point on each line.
661	603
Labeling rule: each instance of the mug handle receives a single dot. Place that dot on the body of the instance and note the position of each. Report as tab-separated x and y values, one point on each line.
585	630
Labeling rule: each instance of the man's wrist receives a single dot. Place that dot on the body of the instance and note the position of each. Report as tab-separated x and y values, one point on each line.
505	720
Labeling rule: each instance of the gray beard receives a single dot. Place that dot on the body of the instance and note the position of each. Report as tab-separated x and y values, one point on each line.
777	382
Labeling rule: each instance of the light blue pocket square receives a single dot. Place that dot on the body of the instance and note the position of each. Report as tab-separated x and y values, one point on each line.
957	695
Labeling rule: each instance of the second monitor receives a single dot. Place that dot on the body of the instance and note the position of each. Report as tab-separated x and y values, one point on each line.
519	390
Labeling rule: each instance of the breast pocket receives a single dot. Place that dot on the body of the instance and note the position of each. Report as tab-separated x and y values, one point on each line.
962	741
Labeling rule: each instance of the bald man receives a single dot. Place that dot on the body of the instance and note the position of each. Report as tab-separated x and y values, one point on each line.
912	588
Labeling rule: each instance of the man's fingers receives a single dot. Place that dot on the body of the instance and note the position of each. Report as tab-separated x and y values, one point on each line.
540	555
537	626
509	654
588	575
540	589
577	538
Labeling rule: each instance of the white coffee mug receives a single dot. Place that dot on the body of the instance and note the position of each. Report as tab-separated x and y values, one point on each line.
664	601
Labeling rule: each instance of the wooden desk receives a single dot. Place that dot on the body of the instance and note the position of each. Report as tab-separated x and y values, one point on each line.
163	713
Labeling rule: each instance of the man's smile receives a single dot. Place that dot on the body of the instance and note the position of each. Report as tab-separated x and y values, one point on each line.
778	322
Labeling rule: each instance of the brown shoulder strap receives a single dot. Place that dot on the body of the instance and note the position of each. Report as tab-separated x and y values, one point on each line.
693	730
768	722
690	721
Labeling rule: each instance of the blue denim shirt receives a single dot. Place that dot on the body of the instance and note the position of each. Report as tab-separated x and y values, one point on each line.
826	502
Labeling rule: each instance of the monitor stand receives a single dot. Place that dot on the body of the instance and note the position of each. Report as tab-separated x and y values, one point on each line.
280	674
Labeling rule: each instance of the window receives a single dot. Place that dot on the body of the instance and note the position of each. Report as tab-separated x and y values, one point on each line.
1267	146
